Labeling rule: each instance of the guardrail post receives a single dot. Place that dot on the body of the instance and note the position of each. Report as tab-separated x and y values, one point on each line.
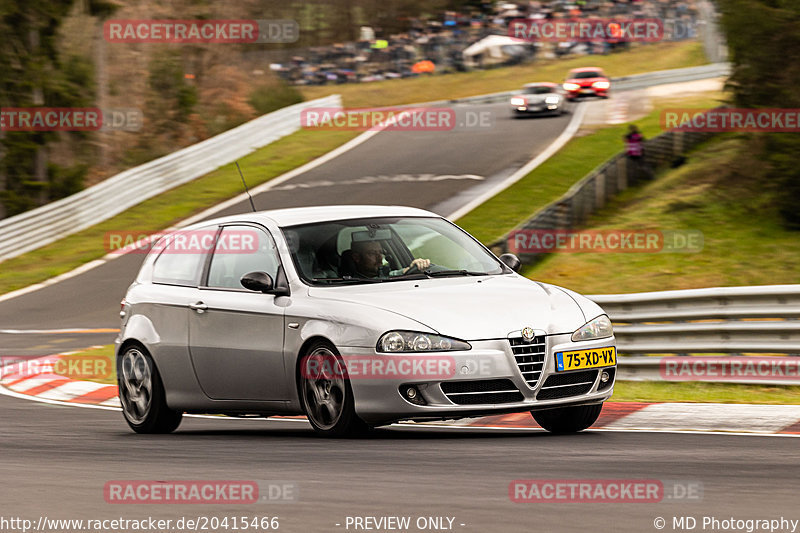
600	190
622	173
677	144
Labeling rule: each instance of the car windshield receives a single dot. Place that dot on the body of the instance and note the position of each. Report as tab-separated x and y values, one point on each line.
385	249
538	90
587	74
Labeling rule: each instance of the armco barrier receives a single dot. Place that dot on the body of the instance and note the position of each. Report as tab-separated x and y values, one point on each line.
46	224
721	320
624	83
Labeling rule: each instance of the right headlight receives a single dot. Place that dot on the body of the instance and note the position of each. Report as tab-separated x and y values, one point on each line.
412	341
571	86
597	328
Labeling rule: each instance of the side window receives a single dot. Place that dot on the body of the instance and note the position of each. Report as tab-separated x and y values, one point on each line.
240	250
181	259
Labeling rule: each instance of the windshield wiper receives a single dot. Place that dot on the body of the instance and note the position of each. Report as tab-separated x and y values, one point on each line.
454	273
331	281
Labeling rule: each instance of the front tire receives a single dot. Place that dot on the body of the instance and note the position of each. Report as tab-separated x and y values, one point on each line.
564	420
326	394
141	393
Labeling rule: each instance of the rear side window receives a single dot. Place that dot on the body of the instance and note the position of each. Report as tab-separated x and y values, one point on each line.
181	259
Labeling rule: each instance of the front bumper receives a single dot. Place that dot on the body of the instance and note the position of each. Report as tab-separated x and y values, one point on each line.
586	91
491	370
536	109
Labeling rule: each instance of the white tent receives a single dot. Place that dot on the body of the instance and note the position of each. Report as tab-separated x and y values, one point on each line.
494	49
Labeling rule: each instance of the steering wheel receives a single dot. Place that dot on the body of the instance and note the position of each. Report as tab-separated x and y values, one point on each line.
414	269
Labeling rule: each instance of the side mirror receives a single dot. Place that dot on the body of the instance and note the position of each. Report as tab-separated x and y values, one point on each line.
511	261
257	281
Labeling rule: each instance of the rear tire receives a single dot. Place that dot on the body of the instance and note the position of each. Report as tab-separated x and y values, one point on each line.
568	419
326	394
141	393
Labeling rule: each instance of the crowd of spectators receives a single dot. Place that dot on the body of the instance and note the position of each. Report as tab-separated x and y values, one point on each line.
442	42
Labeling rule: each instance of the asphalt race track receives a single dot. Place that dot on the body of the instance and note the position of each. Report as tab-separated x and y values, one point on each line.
56	462
391	168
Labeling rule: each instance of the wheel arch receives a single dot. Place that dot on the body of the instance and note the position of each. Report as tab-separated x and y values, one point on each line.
298	360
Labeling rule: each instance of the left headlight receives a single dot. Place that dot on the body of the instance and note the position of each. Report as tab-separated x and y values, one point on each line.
518	101
597	328
601	84
412	341
551	100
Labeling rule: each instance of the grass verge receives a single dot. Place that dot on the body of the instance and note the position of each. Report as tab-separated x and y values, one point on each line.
641	59
697	392
722	191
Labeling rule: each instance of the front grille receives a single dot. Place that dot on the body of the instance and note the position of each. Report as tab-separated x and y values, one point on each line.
529	357
481	391
565	385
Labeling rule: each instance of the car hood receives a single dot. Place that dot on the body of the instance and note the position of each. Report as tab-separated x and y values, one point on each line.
536	98
470	308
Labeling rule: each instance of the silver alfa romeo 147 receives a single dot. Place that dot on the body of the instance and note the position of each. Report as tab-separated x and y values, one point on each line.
355	316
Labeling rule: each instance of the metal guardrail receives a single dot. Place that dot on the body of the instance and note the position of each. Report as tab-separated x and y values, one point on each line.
663	77
721	320
44	225
624	83
595	189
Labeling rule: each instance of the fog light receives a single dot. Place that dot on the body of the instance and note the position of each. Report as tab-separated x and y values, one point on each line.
604	377
412	395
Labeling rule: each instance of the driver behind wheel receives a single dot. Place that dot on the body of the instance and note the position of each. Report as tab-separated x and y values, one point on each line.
368	261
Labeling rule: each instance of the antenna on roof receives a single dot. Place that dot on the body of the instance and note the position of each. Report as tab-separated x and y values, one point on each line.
245	187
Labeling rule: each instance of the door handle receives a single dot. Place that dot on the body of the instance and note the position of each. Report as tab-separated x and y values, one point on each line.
200	307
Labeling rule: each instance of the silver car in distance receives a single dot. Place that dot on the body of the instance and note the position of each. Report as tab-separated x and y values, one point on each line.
355	316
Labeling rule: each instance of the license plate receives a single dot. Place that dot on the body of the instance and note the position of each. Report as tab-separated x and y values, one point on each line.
581	359
587	91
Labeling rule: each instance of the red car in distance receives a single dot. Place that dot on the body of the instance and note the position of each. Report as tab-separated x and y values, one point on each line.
586	81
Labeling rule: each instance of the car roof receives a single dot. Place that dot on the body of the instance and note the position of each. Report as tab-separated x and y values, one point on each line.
586	69
540	84
307	215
